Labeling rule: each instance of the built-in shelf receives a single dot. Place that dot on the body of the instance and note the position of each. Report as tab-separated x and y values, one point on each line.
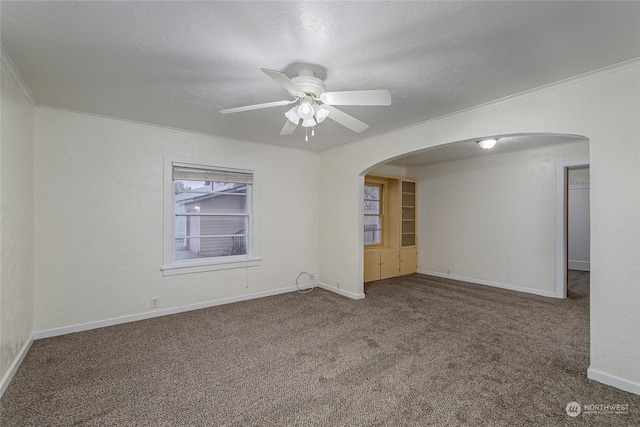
408	231
397	254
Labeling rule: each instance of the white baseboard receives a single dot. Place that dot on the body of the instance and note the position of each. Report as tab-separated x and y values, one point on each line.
613	381
340	291
490	283
13	368
156	313
579	265
54	332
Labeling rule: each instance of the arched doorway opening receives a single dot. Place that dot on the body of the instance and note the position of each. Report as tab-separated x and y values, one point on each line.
489	216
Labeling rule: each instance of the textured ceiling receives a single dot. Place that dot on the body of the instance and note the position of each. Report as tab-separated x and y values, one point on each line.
177	64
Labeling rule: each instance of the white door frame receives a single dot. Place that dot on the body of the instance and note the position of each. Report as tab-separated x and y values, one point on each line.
562	169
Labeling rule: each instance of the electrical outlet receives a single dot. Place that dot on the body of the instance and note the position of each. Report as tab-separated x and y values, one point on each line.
338	284
155	302
448	271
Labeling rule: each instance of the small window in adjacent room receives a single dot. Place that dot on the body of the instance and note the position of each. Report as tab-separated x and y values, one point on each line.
209	216
372	214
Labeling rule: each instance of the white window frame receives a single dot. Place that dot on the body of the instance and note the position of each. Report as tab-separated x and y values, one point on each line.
171	266
380	213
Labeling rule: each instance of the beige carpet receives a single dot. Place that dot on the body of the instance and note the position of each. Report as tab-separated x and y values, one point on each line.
417	351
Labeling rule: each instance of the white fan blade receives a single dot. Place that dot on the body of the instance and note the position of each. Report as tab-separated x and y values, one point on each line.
288	128
256	106
285	82
346	120
358	97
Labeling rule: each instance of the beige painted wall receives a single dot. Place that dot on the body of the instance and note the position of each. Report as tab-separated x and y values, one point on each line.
604	108
16	223
493	218
98	221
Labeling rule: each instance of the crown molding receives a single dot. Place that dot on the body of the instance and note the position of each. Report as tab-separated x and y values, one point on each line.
495	102
13	70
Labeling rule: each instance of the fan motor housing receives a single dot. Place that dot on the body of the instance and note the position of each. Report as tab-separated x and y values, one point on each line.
309	83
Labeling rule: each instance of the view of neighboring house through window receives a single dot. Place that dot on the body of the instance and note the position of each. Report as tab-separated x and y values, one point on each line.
211	219
372	214
212	216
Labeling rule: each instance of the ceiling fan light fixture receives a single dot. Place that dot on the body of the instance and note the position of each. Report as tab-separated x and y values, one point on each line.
307	123
487	143
312	105
321	113
305	110
292	115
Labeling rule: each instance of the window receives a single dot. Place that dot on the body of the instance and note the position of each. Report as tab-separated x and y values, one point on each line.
209	217
372	214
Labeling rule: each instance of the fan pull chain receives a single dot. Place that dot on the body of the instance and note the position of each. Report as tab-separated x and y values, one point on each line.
306	134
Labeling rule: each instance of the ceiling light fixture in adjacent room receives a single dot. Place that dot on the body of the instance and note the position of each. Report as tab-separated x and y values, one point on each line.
487	143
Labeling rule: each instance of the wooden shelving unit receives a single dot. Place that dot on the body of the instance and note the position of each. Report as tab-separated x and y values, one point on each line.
408	229
396	254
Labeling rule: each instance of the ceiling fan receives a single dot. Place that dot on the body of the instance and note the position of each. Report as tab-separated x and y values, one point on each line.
314	105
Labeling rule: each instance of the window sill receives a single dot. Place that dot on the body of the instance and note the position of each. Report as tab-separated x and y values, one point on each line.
172	270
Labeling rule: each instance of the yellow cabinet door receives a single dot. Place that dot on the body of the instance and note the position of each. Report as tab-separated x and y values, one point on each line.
408	261
389	263
371	265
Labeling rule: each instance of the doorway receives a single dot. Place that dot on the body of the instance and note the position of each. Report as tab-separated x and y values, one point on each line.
572	218
578	232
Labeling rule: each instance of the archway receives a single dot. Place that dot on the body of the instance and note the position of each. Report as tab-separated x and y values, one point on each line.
496	261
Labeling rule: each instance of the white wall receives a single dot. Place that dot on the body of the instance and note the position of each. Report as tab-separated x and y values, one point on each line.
492	218
389	170
16	226
603	107
98	221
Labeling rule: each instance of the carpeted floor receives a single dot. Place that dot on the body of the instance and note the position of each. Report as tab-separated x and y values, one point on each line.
417	351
